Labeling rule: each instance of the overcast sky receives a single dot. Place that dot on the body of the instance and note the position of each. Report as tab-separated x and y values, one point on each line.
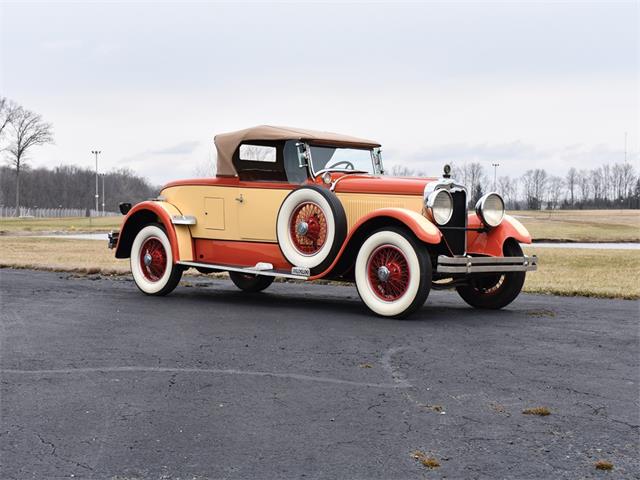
528	85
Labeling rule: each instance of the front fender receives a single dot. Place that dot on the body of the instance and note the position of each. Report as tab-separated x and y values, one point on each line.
491	242
421	227
147	212
418	224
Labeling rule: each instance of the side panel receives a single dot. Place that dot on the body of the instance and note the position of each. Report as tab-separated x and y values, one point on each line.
230	212
491	242
244	254
215	208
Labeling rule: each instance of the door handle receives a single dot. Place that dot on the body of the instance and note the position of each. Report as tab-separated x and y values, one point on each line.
240	199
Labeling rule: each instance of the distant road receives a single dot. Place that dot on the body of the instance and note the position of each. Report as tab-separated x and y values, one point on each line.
99	381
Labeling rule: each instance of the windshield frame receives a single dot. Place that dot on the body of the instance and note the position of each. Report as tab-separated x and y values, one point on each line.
375	153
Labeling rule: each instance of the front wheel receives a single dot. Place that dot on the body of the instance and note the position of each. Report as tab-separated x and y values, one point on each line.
152	262
393	273
495	291
250	283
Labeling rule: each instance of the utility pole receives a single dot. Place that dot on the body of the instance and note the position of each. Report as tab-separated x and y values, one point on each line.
96	153
103	195
495	171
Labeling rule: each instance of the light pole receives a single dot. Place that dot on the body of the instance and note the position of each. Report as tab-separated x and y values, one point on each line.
103	195
495	170
96	153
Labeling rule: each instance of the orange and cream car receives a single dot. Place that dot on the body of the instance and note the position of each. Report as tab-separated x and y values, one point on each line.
306	205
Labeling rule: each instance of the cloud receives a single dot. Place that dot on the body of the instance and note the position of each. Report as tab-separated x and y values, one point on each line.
182	148
514	158
61	44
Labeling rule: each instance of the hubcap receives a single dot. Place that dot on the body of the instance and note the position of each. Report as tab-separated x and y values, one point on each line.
383	273
302	228
153	259
308	228
388	273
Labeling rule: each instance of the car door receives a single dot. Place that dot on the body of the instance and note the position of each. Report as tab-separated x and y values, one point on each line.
262	188
258	207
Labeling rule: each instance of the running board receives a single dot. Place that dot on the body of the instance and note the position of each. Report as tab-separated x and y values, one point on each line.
297	273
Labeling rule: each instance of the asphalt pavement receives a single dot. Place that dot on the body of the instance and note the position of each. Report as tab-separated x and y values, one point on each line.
99	381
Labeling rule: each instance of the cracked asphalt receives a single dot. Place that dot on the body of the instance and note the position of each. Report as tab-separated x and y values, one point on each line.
99	381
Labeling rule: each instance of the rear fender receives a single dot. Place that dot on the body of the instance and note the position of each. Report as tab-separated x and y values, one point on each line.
421	227
492	241
161	212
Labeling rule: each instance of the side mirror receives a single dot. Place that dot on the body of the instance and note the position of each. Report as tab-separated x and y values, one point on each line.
303	154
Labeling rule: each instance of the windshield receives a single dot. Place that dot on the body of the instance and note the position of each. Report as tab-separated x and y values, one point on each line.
342	159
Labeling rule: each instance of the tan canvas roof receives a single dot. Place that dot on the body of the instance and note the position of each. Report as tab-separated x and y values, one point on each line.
228	143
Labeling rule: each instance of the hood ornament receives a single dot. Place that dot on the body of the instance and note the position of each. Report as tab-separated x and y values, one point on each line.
447	171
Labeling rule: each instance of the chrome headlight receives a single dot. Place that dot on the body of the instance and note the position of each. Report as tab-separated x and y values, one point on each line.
490	209
439	206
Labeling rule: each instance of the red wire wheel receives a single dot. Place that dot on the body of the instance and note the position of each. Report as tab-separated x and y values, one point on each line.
308	228
153	259
388	273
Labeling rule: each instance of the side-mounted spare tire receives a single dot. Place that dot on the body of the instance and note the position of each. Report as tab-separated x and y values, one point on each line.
311	228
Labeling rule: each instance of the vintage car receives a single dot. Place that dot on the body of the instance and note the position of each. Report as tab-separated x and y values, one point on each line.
307	205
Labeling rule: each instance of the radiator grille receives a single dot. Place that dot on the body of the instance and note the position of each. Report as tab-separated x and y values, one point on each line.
456	238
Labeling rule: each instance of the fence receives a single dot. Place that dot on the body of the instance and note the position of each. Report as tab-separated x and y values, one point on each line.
53	212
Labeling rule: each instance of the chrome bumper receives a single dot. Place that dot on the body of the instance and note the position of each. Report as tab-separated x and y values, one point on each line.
113	239
486	264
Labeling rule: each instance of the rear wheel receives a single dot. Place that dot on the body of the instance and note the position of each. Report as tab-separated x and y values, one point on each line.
393	273
250	283
152	262
495	291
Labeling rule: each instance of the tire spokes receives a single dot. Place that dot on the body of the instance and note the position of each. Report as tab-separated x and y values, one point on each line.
153	259
308	228
388	273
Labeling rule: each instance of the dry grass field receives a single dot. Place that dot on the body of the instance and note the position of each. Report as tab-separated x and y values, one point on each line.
582	225
576	272
83	256
585	272
51	225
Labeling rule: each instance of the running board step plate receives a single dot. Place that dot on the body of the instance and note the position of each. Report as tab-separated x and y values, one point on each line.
297	273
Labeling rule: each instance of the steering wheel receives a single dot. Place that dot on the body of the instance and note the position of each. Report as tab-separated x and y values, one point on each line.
347	163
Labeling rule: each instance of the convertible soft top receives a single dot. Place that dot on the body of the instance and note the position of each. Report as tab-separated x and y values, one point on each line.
228	143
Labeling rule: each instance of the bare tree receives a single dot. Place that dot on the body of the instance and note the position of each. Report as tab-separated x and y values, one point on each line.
556	187
506	187
534	183
596	178
402	171
627	180
584	184
28	130
572	181
7	112
472	176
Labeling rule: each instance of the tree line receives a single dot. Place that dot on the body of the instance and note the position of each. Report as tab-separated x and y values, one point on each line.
70	186
21	130
608	186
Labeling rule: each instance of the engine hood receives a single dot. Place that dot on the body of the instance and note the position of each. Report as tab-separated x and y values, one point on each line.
381	185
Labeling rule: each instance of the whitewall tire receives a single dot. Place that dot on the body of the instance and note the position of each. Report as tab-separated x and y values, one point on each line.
393	273
152	264
311	227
